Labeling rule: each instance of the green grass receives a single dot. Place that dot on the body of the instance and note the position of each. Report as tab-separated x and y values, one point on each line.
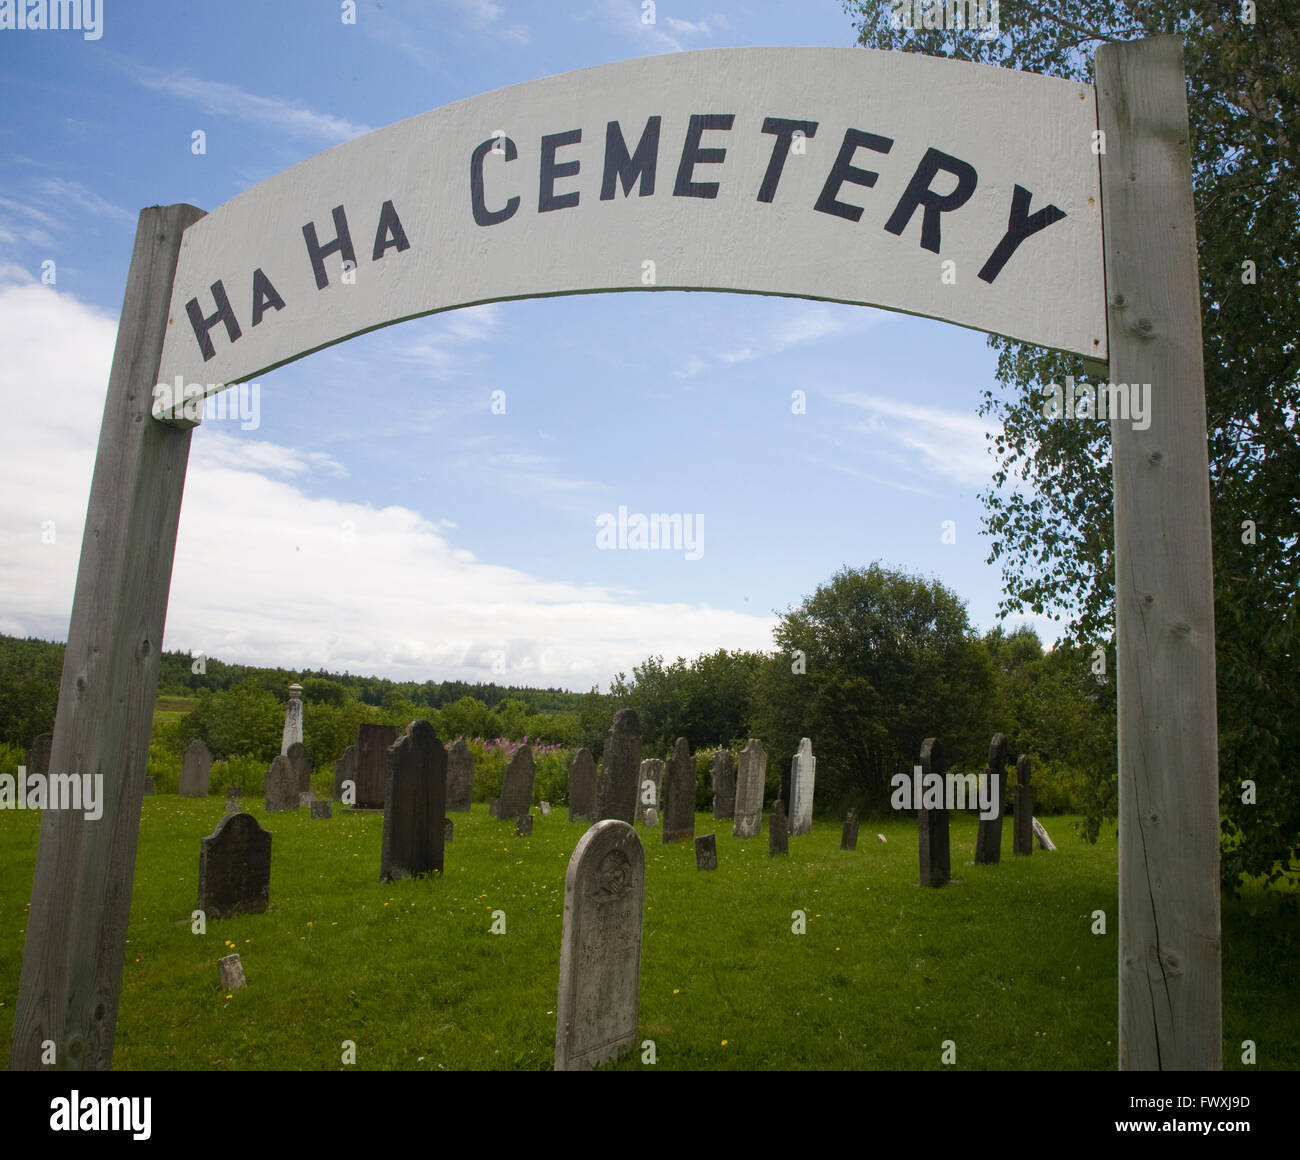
1002	961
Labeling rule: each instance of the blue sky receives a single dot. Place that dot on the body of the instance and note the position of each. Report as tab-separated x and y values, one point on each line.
379	517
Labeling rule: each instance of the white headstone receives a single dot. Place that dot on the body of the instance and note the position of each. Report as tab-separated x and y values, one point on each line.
292	719
801	789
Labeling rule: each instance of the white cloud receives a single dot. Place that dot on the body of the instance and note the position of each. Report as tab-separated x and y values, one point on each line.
625	16
87	199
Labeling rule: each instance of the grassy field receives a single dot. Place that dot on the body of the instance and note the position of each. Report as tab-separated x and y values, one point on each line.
1002	962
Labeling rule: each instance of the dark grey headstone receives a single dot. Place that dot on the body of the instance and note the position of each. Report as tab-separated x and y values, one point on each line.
750	782
372	764
616	794
149	787
345	769
706	852
415	805
300	759
778	836
524	826
582	787
448	830
196	770
235	868
988	838
849	838
679	795
281	786
320	809
787	781
933	823
1023	830
517	785
460	776
724	785
38	756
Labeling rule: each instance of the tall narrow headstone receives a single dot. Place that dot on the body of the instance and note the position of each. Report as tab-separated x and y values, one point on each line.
706	852
282	791
679	795
415	805
292	719
600	948
300	759
849	838
345	769
1022	833
517	785
616	793
235	868
933	822
750	782
802	775
460	776
988	839
724	785
372	764
778	837
582	787
785	788
38	756
196	769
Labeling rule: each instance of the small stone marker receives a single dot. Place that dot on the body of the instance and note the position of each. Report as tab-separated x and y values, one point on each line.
231	973
544	808
933	823
149	789
524	826
803	769
448	830
281	786
778	838
460	776
724	785
706	852
849	838
988	839
600	948
196	769
582	787
882	838
651	818
292	719
345	769
1022	834
517	785
372	764
235	868
306	799
300	759
38	756
679	795
1044	842
749	790
616	793
415	805
321	810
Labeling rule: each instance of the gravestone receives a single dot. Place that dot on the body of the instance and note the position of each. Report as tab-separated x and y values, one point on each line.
849	838
750	781
494	808
235	868
679	795
988	839
149	788
233	803
933	823
582	787
517	785
778	837
300	759
281	786
784	789
321	810
706	852
652	771
448	830
600	948
1022	833
38	756
724	785
460	776
307	799
803	769
524	826
544	808
372	765
230	973
1044	840
651	818
415	805
616	794
196	770
345	769
292	719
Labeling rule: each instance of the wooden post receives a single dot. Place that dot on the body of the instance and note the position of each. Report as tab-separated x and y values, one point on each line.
81	893
1169	961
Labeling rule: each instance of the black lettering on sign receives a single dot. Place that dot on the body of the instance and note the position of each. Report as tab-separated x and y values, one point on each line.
547	198
784	131
843	170
203	325
619	166
1021	225
390	226
919	193
482	215
693	155
264	295
341	245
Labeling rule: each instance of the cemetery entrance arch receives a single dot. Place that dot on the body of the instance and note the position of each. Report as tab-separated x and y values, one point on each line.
940	188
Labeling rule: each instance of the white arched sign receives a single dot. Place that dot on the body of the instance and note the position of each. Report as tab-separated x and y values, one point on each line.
1041	209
